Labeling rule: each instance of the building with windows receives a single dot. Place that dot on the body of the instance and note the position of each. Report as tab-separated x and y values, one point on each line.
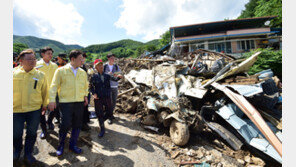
233	37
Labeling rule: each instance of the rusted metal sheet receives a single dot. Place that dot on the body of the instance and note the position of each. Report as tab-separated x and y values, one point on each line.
254	116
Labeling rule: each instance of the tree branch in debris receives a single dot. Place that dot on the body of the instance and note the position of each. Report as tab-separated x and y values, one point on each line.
133	84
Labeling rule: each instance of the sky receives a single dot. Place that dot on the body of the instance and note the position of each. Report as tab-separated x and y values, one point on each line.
87	22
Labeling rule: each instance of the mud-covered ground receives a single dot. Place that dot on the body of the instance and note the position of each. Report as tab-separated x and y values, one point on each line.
126	143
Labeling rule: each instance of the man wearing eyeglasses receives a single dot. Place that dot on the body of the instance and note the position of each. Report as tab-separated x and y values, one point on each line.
70	81
48	69
30	96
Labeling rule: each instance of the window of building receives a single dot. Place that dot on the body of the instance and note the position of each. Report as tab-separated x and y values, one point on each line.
245	45
221	46
200	46
211	46
252	44
228	47
196	46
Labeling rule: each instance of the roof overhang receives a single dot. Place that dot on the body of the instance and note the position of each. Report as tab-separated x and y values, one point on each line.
219	26
196	39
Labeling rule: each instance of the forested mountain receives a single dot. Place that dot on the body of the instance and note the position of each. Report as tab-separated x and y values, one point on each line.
122	48
38	43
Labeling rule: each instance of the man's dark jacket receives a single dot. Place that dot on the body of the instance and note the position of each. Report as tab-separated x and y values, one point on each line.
102	89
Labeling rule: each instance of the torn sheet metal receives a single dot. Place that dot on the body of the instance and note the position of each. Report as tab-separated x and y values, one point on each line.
143	76
229	69
154	104
265	74
247	129
164	79
176	115
196	92
242	67
191	89
247	90
254	115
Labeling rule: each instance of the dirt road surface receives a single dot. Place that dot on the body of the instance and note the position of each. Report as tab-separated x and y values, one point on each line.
126	143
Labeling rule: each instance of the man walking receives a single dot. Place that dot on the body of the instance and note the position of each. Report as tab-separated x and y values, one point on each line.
101	91
48	69
114	71
30	95
70	81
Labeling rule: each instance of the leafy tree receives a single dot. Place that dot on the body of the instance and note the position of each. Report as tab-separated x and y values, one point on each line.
89	57
249	11
139	51
270	8
130	52
18	47
150	48
260	8
165	38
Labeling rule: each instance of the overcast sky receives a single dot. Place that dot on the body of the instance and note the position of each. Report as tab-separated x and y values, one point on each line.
87	22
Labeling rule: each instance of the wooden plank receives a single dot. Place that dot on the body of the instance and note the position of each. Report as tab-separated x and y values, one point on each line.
129	90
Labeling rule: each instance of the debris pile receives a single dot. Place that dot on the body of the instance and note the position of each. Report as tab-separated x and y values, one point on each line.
205	91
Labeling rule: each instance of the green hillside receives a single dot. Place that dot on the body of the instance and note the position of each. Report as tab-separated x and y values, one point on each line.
153	42
122	48
125	43
38	43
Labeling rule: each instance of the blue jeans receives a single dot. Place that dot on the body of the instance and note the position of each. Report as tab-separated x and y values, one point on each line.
32	120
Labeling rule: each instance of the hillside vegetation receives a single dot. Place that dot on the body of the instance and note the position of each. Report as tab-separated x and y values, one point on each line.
122	48
38	43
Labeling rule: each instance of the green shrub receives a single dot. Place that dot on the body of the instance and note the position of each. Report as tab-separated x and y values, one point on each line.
268	59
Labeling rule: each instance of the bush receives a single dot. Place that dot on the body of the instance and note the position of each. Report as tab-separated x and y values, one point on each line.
268	59
18	47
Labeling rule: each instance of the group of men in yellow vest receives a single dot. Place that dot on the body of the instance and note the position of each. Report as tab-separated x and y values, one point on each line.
35	87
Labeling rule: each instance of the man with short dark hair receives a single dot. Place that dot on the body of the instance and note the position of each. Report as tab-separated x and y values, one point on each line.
62	59
114	71
70	81
48	68
30	96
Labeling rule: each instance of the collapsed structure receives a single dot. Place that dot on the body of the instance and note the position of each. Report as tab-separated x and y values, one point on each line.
205	89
